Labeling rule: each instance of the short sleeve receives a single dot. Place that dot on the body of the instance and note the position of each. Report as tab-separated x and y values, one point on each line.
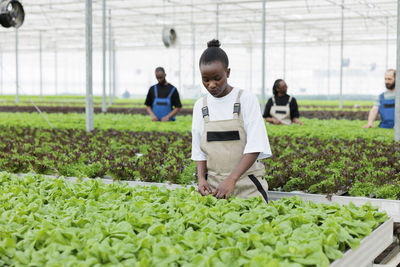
267	109
294	109
175	99
257	137
150	97
197	130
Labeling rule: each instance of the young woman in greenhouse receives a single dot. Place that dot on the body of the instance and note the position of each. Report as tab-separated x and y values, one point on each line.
281	108
228	133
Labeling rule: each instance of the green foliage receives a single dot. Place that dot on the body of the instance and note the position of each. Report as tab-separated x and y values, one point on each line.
363	189
324	129
389	191
54	222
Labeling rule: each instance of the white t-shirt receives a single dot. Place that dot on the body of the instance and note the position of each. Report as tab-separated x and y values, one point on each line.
222	109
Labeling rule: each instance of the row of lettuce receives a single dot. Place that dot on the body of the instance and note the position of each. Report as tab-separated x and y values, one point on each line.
314	162
323	129
97	100
54	222
322	114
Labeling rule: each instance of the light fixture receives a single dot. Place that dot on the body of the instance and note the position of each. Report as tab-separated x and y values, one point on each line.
11	13
169	36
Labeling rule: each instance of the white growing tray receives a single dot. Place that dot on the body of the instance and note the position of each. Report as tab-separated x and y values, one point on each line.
370	247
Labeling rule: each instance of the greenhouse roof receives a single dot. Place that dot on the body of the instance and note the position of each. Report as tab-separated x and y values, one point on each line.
139	24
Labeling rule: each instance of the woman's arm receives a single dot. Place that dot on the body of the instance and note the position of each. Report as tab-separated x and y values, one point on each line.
204	187
297	121
272	120
227	186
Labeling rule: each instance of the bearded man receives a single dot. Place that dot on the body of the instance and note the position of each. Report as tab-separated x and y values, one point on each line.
384	103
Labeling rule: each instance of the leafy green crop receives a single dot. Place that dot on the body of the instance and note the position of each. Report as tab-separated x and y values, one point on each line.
313	165
53	222
324	129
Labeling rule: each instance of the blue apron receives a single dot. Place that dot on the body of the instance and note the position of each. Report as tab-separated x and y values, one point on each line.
386	110
162	106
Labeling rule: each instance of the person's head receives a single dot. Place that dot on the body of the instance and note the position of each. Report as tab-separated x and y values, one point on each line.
279	87
390	79
160	75
214	69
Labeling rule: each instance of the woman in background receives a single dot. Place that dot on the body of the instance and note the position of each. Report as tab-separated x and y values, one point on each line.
281	108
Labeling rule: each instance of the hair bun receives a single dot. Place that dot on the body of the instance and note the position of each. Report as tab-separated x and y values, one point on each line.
213	43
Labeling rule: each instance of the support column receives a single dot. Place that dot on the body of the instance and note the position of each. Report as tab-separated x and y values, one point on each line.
180	68
104	102
397	104
1	73
329	70
16	68
387	43
55	70
193	55
89	67
217	22
263	55
114	71
341	59
109	60
251	68
41	65
284	50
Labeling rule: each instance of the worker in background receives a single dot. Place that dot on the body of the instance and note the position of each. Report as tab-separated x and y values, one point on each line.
162	101
384	103
281	108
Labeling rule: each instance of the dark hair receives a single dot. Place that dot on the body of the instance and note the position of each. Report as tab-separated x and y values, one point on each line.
276	84
214	53
160	69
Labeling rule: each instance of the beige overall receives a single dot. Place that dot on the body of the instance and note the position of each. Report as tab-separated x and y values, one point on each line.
281	113
223	142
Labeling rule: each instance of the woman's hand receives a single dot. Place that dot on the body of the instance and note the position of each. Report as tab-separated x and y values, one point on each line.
204	187
272	120
297	121
276	121
225	189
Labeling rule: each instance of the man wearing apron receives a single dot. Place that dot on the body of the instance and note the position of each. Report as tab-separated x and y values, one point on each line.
162	101
384	104
228	134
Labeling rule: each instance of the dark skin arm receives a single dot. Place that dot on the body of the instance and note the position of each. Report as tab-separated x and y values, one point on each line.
171	114
204	187
297	121
272	120
225	189
151	113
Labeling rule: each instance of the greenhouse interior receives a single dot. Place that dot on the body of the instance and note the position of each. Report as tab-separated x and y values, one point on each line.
200	133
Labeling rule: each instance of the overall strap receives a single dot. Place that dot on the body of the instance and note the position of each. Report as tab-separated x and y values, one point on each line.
273	101
172	91
155	90
204	109
382	97
236	106
290	100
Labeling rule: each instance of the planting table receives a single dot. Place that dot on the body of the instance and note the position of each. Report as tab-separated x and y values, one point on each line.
370	247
